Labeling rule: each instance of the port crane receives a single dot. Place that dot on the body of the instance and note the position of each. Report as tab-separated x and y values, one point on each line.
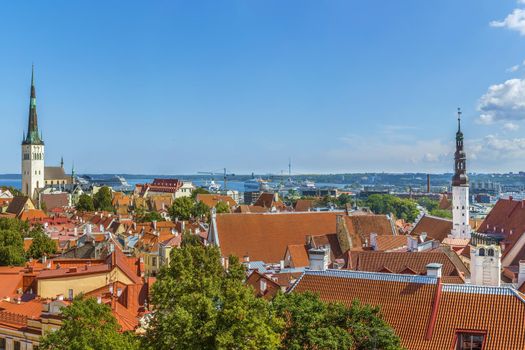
225	175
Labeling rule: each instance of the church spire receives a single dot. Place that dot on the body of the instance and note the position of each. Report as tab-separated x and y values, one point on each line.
460	158
32	137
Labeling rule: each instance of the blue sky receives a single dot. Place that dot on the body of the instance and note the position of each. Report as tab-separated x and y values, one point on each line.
176	87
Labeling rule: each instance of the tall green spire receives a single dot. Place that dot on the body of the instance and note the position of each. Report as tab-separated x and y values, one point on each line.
32	137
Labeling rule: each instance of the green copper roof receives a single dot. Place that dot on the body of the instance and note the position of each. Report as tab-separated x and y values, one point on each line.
32	137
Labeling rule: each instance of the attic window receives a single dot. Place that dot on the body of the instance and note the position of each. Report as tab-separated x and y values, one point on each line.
469	341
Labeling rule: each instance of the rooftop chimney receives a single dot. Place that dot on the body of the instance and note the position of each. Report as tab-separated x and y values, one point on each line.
412	244
434	270
373	240
319	258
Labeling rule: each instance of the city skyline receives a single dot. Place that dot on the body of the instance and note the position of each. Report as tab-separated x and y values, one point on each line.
323	86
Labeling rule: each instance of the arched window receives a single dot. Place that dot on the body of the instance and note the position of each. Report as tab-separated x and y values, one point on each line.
481	251
490	252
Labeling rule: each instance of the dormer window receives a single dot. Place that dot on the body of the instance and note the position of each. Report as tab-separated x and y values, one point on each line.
469	340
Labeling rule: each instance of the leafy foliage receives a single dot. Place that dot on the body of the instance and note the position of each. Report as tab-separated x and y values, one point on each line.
88	325
41	245
143	216
442	213
313	324
200	210
199	305
222	207
199	190
181	208
385	204
85	203
12	242
428	204
102	199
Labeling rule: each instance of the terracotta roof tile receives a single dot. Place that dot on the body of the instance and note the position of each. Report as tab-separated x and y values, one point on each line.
436	228
265	236
212	199
406	304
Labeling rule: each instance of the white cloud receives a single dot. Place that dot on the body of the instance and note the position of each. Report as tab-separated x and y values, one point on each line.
504	101
521	1
511	126
514	21
513	68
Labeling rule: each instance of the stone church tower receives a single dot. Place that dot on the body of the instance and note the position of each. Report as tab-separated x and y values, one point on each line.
32	151
460	190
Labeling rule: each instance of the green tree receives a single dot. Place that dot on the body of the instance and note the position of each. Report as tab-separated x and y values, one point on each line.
85	203
385	204
182	208
200	210
88	325
343	200
313	324
199	190
12	232
428	204
442	213
222	207
102	199
41	245
149	216
200	305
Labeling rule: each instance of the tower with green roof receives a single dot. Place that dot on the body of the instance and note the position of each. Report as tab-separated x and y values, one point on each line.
32	150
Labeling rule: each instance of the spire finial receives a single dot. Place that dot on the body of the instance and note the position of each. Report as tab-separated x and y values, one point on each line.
32	74
459	119
62	162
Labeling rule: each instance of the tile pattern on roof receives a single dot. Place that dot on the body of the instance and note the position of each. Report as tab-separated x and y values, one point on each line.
406	304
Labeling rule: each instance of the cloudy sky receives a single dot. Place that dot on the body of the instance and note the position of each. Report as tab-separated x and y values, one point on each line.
176	87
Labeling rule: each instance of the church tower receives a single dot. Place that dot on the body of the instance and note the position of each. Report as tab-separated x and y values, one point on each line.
460	191
32	151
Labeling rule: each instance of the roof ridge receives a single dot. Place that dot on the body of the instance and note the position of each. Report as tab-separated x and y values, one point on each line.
475	289
378	276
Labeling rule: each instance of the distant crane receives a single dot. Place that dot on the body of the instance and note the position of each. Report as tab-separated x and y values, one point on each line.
224	174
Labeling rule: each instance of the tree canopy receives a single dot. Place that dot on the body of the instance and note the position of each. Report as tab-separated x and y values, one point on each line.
88	325
181	208
147	216
222	207
200	305
102	199
313	324
386	204
199	190
12	232
85	203
41	246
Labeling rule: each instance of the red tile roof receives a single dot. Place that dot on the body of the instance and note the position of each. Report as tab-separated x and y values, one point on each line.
304	204
408	262
507	218
436	228
212	199
407	305
265	236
